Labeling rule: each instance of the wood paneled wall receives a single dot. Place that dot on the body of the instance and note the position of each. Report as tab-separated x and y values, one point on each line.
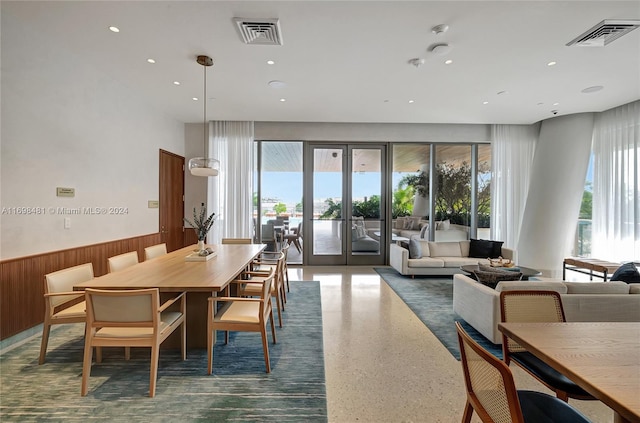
22	278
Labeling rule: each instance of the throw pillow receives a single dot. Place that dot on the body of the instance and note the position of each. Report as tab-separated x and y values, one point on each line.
480	248
409	225
492	278
424	232
496	251
415	249
627	273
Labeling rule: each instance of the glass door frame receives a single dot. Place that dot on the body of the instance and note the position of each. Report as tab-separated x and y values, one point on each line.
346	257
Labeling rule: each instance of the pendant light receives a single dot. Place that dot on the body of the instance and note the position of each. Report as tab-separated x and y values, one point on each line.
204	166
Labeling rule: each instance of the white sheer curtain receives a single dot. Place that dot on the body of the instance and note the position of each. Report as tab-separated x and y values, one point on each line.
616	180
512	150
231	192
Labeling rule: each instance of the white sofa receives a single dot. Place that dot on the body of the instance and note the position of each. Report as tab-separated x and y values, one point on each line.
438	258
479	305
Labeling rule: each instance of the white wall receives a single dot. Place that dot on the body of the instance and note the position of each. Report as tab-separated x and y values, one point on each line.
66	124
555	192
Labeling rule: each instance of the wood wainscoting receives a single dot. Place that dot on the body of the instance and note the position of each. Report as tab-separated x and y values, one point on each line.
22	278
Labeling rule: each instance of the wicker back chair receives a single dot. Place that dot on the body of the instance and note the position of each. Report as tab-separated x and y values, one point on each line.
536	307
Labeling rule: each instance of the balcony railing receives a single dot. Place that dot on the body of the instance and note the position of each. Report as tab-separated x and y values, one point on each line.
582	243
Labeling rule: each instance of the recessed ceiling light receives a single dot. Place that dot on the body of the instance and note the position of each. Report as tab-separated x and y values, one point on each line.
593	89
551	63
485	102
176	83
270	62
448	62
277	84
556	104
114	29
194	98
151	61
283	99
411	101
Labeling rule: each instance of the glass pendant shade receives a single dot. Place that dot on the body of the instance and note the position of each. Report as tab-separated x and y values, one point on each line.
201	166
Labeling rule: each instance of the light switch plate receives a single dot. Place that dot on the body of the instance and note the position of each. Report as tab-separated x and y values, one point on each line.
67	222
65	192
153	204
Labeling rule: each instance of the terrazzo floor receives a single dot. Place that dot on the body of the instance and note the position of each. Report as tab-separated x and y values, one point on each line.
382	364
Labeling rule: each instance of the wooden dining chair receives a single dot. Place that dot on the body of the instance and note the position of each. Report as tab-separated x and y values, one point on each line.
155	251
492	394
122	261
536	307
244	315
251	285
63	304
131	318
268	259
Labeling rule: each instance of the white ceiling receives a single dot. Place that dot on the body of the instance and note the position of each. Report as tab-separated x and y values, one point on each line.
346	61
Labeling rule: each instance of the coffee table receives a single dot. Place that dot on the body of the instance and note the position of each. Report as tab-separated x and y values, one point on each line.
526	271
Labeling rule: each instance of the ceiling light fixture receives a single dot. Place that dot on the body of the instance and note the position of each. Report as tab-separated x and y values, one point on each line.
440	29
270	62
176	83
448	62
593	89
204	166
151	61
441	49
411	101
416	61
485	102
283	100
552	63
114	29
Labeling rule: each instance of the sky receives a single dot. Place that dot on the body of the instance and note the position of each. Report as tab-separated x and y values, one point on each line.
287	186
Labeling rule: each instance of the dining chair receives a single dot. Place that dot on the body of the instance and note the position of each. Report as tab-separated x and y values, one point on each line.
236	240
268	259
251	285
268	236
131	318
492	394
294	237
536	307
122	261
155	251
243	315
62	303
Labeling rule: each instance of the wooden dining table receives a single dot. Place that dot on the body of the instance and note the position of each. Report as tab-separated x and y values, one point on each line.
601	357
172	273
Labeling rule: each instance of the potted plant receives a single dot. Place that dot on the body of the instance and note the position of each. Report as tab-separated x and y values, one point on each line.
201	224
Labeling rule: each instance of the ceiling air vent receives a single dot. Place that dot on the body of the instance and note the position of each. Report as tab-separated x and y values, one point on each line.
604	33
259	31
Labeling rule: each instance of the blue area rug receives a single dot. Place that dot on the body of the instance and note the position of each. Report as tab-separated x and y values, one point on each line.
431	299
239	390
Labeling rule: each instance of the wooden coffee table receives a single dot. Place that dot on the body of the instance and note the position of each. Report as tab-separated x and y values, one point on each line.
526	271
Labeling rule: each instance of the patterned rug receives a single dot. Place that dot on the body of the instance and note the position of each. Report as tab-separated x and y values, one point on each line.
239	390
431	299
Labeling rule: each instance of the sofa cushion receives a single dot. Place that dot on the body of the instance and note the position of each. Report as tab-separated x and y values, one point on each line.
458	261
444	225
415	249
483	248
634	288
597	287
626	273
358	232
445	249
559	287
426	262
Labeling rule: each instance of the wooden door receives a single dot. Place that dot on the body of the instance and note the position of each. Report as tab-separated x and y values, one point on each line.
171	200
